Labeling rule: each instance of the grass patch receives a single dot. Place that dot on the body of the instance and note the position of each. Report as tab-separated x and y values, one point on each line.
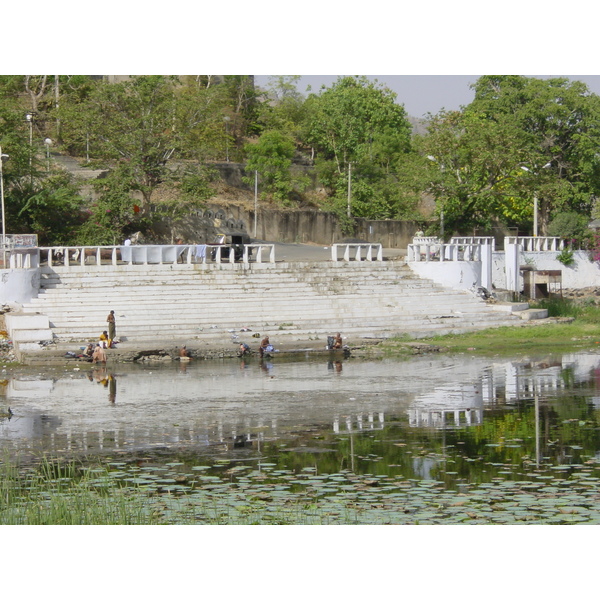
53	493
581	333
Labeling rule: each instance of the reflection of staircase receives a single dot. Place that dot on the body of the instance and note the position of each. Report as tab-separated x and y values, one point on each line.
293	302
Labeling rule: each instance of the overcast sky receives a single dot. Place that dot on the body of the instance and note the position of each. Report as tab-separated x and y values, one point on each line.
421	94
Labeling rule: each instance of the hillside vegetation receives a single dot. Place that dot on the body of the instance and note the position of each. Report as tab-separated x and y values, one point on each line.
156	140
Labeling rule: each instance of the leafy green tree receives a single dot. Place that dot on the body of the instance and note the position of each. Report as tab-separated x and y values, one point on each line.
357	122
52	210
140	126
571	226
520	137
472	167
133	127
272	157
243	101
283	108
37	200
559	123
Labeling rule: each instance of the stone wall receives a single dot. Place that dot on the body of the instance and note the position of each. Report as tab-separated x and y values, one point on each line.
288	226
19	285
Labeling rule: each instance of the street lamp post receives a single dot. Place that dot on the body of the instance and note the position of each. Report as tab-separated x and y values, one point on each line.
535	198
48	143
255	202
29	119
349	208
434	159
226	119
3	157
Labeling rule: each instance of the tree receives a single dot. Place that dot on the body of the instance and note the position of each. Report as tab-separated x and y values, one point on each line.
473	171
283	108
37	200
560	125
358	122
488	159
272	157
571	226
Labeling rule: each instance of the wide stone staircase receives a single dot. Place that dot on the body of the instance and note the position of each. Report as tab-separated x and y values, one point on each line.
291	302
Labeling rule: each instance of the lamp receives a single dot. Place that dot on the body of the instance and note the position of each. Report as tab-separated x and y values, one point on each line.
535	198
434	159
48	143
3	157
226	119
29	119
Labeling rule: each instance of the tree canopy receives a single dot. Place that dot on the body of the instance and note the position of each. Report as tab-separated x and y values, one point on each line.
519	138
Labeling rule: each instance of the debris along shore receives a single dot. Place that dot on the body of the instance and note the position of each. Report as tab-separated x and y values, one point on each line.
129	351
157	352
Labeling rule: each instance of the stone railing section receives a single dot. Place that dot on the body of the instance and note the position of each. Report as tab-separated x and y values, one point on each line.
443	252
355	252
536	244
255	249
74	256
484	240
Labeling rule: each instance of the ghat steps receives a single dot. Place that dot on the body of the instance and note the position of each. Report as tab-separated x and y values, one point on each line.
290	302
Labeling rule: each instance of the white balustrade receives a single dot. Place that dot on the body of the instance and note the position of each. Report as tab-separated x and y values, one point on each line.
484	240
443	252
536	244
71	256
372	252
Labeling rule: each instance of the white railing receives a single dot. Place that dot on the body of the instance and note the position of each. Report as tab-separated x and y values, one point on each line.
484	240
249	249
22	258
536	244
72	256
427	247
443	252
372	252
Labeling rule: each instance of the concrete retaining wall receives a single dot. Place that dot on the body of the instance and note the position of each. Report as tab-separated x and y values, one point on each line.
19	285
458	275
461	275
291	226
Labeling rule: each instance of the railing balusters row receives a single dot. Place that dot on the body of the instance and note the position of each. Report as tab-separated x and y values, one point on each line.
70	256
358	249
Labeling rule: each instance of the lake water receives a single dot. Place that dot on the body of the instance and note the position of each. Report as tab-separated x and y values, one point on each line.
428	430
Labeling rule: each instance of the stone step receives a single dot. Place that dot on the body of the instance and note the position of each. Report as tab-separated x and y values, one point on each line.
510	307
198	303
532	314
275	282
299	302
154	327
246	316
373	330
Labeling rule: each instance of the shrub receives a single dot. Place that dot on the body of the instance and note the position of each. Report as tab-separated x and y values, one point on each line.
566	257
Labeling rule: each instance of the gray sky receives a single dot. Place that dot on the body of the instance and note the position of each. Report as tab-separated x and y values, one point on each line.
421	94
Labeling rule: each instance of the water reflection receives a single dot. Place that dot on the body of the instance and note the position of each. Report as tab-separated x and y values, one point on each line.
250	403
